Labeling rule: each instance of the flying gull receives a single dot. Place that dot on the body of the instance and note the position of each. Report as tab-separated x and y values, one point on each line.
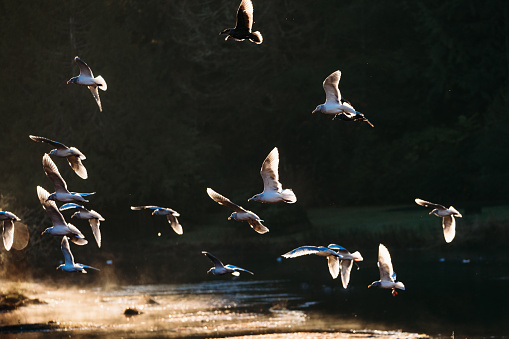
61	192
8	231
335	104
170	214
69	265
346	262
272	189
332	256
244	24
86	78
387	275
240	213
447	215
220	269
60	226
92	216
72	154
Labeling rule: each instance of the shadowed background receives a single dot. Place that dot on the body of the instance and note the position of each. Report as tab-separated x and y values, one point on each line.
186	110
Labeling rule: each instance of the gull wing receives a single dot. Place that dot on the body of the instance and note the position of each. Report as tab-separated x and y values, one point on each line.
84	69
429	204
50	207
330	86
333	263
346	268
53	143
8	233
53	174
172	219
236	268
21	236
338	248
270	172
69	206
257	226
86	266
221	200
449	226
217	263
66	250
305	250
138	208
245	15
95	93
385	264
458	214
76	236
94	224
77	166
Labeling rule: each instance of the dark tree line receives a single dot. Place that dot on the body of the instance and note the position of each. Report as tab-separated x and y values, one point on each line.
186	110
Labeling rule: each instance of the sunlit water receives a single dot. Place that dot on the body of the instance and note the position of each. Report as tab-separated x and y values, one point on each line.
451	295
208	309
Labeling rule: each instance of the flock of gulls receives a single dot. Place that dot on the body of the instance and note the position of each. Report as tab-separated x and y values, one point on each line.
339	259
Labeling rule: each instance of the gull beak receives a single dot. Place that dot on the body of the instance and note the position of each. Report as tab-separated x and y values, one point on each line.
229	218
249	199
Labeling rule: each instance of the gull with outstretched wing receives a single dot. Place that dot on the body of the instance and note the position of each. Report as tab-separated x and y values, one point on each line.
272	189
387	275
239	214
60	226
170	214
220	269
447	215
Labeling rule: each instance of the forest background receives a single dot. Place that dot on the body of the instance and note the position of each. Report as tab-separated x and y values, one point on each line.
185	110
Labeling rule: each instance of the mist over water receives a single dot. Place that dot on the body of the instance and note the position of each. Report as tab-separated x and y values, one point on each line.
444	294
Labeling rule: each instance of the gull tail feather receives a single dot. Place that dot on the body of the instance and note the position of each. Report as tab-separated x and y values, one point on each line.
256	37
289	196
101	83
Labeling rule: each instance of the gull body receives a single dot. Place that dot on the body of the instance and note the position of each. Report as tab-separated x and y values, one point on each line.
220	269
332	256
94	219
243	27
387	275
346	262
69	265
61	193
240	213
170	214
447	215
335	104
72	154
86	78
8	219
272	189
60	226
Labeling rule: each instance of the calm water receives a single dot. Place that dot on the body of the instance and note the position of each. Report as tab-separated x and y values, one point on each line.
464	296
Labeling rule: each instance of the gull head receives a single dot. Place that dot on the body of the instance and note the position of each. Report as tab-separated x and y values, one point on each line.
226	31
233	216
254	198
435	212
72	80
52	196
375	284
318	109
